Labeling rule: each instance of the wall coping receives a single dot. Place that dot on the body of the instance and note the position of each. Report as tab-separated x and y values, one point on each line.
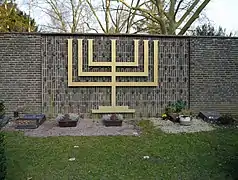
123	34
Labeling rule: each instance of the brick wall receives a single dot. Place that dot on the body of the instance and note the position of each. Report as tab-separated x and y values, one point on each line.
147	101
20	71
201	71
214	74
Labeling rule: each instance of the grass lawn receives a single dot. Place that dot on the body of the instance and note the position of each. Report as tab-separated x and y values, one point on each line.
208	155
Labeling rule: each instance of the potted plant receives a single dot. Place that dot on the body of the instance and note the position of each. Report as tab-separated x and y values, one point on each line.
174	109
185	117
67	120
112	120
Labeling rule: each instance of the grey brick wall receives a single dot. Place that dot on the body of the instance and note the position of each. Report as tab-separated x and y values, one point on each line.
147	101
214	74
20	71
201	71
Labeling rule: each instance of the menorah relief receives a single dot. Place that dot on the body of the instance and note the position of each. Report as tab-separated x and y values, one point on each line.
113	74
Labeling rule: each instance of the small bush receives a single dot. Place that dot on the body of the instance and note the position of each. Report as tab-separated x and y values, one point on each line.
186	112
226	119
3	167
175	107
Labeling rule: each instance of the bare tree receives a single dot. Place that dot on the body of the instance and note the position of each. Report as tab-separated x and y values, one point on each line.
168	16
66	15
117	17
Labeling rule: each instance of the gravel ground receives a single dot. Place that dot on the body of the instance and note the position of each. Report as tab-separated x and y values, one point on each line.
88	127
170	127
83	128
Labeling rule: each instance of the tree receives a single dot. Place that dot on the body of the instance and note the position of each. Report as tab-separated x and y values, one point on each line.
209	30
66	15
14	20
117	18
147	25
167	16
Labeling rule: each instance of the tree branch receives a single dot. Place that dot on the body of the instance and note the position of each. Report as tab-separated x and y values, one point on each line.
177	8
187	12
194	17
129	23
90	27
95	15
145	12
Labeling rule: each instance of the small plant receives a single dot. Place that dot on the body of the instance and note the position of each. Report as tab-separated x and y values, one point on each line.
112	117
169	110
179	106
112	120
175	107
226	119
186	112
164	116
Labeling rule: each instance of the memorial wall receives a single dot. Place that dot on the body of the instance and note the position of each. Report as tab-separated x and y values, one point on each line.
96	73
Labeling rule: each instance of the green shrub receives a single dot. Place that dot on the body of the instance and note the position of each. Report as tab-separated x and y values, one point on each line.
3	167
175	107
226	119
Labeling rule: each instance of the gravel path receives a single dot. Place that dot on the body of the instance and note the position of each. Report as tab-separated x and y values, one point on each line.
83	128
170	127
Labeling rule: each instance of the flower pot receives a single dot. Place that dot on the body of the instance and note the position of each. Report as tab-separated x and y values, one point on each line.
67	120
108	123
30	121
112	120
185	120
68	123
173	117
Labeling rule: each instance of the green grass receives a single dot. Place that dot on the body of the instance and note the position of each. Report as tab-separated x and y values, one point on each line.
209	155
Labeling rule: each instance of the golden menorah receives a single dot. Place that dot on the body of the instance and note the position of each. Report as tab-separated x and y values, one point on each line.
113	74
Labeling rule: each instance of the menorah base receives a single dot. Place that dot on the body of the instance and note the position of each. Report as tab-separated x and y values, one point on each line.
113	109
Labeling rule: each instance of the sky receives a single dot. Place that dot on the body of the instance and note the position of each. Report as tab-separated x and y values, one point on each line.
220	12
223	13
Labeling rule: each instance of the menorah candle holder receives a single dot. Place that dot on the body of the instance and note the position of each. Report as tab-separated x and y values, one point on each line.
113	74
